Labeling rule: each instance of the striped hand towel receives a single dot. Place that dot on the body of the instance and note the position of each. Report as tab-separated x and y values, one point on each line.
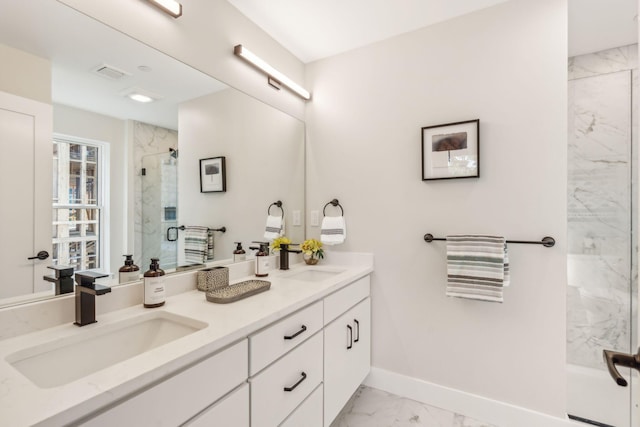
333	230
274	227
195	244
477	267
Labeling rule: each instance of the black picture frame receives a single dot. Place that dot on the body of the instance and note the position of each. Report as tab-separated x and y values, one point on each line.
451	150
213	175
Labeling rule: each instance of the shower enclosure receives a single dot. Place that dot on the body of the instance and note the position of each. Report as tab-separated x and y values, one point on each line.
159	207
602	246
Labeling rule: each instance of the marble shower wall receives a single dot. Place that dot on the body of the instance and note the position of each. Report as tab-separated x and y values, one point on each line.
153	192
601	263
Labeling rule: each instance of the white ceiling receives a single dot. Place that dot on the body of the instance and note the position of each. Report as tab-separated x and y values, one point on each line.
76	44
313	29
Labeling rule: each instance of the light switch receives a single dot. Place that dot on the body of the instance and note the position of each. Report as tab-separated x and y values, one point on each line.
296	218
315	218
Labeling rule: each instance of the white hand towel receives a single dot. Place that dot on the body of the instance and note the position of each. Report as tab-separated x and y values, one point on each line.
274	227
477	267
333	230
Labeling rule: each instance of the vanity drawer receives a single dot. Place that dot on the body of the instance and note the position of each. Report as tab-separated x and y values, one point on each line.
270	343
232	410
180	397
299	370
309	413
342	300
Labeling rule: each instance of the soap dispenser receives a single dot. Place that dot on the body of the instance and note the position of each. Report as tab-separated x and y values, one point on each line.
239	254
129	272
262	259
154	292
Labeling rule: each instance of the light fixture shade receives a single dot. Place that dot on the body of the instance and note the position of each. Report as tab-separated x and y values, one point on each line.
171	7
262	65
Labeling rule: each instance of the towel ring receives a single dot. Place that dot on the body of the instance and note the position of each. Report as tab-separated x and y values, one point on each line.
334	202
277	204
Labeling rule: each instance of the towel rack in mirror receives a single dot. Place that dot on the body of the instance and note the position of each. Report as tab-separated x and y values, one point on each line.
173	237
276	204
334	202
547	242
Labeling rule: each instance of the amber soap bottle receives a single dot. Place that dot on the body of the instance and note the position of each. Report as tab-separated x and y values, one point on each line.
154	293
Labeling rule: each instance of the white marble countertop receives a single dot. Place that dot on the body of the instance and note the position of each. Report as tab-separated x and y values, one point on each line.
22	403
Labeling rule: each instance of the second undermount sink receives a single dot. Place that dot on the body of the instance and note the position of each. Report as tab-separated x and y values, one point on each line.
60	362
312	274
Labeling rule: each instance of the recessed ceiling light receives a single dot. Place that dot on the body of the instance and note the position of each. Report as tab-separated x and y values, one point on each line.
140	95
144	68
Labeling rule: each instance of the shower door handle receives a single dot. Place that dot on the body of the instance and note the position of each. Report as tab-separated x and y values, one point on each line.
613	358
172	237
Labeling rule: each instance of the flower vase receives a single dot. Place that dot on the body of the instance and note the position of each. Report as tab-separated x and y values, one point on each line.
310	259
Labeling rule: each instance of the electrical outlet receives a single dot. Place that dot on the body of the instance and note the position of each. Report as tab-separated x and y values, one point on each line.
315	218
296	218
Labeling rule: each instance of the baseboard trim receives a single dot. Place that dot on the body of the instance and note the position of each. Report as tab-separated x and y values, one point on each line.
477	407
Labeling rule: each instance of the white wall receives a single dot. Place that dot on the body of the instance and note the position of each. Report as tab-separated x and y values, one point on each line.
85	124
507	66
24	74
204	37
264	153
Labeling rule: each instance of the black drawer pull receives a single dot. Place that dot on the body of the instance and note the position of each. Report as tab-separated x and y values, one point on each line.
350	337
357	330
304	377
290	337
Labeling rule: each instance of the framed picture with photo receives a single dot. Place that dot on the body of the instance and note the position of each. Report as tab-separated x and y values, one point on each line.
213	175
451	150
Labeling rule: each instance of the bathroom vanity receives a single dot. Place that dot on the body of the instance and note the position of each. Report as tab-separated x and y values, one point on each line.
290	356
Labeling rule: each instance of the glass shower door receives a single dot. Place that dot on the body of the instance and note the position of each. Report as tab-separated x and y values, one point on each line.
602	255
159	208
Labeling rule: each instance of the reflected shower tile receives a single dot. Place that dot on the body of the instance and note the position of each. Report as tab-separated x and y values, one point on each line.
607	61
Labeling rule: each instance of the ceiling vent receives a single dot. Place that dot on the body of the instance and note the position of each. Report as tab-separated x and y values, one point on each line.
110	72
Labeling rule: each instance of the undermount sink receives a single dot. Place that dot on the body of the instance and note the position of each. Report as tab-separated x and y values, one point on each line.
312	274
60	362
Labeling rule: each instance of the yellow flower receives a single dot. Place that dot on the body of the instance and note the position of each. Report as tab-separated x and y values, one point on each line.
312	247
275	245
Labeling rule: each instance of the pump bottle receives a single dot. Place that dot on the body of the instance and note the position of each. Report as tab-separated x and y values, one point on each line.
154	292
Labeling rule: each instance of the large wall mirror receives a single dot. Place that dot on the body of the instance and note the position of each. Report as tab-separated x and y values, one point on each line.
125	175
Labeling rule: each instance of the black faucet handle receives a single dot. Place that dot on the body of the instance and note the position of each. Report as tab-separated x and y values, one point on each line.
88	278
62	270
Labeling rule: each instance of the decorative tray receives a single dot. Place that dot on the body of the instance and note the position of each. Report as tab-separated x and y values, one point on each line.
237	291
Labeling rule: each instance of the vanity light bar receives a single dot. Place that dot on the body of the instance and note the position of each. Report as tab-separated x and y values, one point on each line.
271	72
171	7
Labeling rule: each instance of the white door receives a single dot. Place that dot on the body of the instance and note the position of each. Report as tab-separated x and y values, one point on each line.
25	194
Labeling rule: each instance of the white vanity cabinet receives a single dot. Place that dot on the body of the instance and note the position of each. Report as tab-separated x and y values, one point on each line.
347	345
232	410
309	413
291	353
187	393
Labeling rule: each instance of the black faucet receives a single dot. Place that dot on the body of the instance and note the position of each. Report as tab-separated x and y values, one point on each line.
63	278
86	291
284	254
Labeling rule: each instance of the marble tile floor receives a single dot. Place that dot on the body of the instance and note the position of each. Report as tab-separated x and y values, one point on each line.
370	407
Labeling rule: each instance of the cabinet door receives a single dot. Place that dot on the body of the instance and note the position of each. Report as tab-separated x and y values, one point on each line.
233	410
347	357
